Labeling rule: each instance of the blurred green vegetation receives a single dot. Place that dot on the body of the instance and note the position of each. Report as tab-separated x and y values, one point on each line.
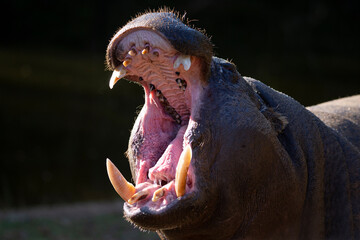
84	222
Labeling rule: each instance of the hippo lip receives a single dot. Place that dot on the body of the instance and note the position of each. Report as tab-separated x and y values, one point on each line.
171	81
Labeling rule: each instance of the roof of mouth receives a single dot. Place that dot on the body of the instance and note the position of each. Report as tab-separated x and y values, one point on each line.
149	60
183	38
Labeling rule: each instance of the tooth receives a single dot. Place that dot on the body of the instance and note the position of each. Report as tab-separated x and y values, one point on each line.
181	171
158	93
125	189
118	73
132	53
178	81
127	62
158	194
137	196
152	87
145	50
184	60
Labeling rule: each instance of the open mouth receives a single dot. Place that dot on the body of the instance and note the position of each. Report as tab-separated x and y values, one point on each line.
159	150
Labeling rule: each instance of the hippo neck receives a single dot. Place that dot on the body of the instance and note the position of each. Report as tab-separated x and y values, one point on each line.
305	151
317	154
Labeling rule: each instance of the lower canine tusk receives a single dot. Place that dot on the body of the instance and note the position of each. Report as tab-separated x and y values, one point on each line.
125	189
181	171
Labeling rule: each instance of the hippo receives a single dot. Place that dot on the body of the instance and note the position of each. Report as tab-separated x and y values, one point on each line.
215	155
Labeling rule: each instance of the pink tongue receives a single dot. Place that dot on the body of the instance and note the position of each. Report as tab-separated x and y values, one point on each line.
165	167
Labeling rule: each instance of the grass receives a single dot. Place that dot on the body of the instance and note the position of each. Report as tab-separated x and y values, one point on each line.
72	222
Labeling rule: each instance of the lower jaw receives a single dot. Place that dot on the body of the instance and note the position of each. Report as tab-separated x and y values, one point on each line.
170	216
157	200
145	169
157	190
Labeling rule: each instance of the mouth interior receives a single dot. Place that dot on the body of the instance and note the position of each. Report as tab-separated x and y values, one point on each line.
168	78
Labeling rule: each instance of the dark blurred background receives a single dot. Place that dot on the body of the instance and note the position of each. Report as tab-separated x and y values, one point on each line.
59	120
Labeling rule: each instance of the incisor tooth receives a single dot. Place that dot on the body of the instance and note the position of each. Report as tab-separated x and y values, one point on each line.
181	171
127	62
158	194
184	60
118	73
132	53
145	50
137	196
125	189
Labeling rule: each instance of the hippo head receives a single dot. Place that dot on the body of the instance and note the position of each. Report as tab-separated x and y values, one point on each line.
204	150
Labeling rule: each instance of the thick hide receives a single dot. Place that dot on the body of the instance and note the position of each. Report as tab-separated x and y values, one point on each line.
215	155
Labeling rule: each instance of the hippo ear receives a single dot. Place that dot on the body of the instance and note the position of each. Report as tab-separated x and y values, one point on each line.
277	120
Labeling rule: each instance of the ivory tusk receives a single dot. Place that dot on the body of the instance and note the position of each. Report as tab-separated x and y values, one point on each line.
125	189
185	60
181	171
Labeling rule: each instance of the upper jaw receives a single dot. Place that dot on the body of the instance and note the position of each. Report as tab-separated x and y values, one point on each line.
145	57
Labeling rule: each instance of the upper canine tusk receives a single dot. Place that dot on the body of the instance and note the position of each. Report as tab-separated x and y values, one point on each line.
185	60
181	171
125	189
118	73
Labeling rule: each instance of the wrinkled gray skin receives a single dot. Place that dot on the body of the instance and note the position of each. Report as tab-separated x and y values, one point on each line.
266	167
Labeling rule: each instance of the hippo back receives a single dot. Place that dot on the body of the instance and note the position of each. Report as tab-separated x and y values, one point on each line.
343	115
